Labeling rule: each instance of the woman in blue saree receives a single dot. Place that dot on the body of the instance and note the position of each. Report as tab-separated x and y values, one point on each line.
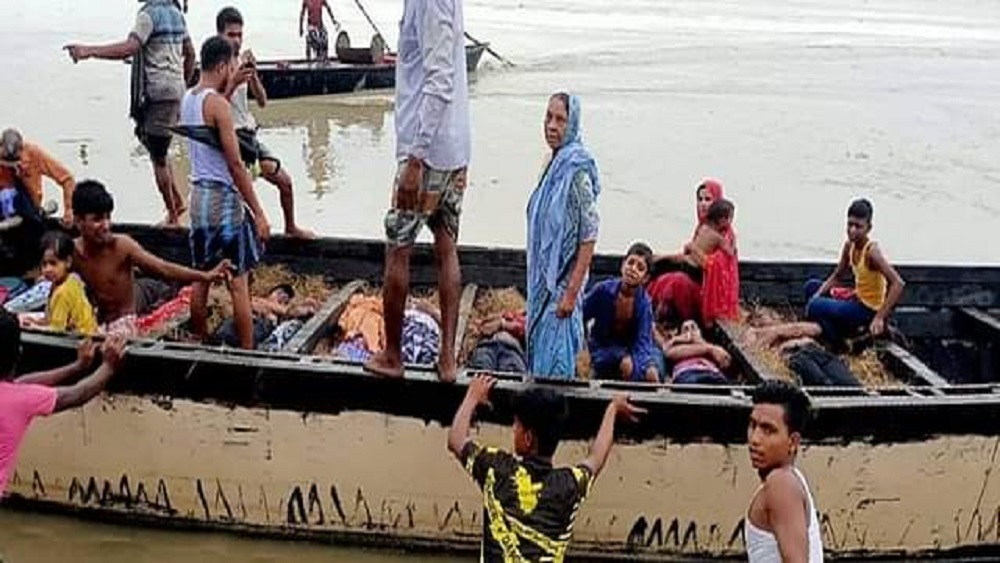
563	223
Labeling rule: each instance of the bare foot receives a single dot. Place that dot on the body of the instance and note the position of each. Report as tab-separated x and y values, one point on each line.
300	233
381	365
447	369
171	221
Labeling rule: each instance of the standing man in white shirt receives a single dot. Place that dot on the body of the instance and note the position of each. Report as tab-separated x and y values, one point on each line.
782	525
432	152
229	24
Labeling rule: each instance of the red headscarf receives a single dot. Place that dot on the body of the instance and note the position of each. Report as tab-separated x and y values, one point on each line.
714	189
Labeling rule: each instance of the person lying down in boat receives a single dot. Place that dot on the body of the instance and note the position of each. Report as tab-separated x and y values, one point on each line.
107	262
800	349
501	344
695	361
364	334
276	319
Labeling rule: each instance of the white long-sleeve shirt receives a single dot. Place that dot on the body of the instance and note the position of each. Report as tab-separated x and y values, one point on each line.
432	93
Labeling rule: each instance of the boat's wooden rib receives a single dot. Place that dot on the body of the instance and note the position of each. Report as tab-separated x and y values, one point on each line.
981	323
305	340
910	368
465	308
747	361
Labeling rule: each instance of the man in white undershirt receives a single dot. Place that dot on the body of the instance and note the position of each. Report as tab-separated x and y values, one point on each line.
782	525
229	24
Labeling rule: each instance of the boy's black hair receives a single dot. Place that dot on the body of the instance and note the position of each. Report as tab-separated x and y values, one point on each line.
91	198
719	210
227	16
643	251
10	343
789	397
861	209
287	288
544	412
59	243
215	52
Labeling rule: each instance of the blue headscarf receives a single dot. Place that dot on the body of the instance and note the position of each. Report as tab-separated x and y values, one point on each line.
547	208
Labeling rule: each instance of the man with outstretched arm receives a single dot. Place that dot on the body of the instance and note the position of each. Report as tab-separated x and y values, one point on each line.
44	393
532	522
162	65
782	525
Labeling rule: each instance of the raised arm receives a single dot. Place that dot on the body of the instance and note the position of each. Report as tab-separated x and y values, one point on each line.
218	115
879	263
842	267
151	264
605	438
786	509
88	387
84	358
477	394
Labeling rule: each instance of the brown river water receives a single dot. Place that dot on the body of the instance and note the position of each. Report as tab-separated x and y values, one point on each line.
797	107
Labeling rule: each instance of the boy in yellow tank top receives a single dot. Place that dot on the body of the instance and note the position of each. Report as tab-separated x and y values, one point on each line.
877	285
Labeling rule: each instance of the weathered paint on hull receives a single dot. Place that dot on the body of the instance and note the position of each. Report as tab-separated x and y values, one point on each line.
379	479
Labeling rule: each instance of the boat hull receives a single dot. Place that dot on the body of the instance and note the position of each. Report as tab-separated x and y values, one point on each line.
369	478
292	445
291	79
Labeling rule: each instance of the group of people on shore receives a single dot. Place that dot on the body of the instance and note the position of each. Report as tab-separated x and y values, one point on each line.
633	327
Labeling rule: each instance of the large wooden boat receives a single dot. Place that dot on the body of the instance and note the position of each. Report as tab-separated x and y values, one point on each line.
295	78
295	445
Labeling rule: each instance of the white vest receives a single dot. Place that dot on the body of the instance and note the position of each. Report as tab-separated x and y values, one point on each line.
762	547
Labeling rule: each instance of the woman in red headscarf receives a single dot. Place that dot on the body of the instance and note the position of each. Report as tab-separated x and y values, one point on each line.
708	294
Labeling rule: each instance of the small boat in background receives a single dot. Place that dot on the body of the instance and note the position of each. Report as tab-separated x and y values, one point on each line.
352	70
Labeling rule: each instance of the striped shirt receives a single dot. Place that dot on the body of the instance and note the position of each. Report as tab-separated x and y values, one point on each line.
161	30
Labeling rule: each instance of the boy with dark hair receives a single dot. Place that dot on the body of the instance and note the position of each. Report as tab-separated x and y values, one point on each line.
530	506
106	261
781	523
229	24
621	337
162	64
227	221
43	393
877	285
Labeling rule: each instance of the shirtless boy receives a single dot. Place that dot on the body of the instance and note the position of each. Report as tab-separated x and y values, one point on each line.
621	338
106	260
317	43
710	236
781	523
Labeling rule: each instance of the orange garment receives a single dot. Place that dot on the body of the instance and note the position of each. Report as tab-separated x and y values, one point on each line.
363	316
34	164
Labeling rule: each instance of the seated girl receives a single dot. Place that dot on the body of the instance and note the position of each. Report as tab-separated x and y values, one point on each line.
68	308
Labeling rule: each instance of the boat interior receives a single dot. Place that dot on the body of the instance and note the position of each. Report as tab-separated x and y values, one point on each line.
944	344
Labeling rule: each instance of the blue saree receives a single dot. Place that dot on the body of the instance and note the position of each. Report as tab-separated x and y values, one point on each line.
562	215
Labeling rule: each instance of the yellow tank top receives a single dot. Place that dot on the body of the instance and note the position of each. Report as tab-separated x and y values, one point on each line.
868	284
